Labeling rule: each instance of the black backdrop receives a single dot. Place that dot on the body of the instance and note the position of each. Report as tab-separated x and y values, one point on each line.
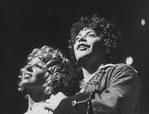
26	24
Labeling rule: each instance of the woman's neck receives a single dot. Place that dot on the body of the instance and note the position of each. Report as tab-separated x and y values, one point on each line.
35	98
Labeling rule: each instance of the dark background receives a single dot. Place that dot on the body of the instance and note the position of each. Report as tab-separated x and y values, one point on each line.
26	24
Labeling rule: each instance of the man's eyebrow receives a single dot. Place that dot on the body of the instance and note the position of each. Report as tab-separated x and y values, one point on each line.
86	33
90	32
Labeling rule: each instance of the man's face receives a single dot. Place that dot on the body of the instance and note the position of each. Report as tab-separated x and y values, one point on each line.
87	43
33	74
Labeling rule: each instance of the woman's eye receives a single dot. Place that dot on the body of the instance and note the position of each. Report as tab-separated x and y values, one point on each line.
77	38
38	66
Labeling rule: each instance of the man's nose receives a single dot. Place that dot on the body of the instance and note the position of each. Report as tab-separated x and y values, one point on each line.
82	39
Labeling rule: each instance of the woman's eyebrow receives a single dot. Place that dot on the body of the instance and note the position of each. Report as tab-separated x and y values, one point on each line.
42	62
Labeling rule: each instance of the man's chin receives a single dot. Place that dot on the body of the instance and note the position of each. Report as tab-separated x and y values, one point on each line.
83	57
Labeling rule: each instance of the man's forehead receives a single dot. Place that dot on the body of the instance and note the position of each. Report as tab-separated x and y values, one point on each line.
85	30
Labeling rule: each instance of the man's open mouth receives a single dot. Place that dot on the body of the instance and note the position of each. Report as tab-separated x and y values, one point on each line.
83	46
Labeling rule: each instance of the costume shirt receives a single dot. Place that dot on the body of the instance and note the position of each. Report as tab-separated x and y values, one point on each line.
38	108
113	89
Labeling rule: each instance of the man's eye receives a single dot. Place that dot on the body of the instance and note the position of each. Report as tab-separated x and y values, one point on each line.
92	35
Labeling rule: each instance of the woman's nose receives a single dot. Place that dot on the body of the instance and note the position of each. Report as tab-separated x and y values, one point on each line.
29	68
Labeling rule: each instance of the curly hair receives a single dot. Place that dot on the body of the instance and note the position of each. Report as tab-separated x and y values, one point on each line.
112	39
60	72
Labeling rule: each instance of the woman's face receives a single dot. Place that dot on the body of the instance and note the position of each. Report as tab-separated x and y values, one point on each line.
33	75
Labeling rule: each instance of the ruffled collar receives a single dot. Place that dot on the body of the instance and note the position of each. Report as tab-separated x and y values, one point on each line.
83	83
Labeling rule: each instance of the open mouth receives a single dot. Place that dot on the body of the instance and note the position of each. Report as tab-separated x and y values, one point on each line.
83	46
27	75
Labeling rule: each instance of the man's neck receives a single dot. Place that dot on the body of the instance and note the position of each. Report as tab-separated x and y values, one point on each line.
89	68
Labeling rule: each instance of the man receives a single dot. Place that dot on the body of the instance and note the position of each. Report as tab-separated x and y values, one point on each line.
106	88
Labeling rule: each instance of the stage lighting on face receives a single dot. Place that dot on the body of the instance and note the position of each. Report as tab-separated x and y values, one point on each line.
129	60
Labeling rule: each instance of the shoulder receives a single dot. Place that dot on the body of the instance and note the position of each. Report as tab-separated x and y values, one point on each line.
120	70
119	67
123	74
125	66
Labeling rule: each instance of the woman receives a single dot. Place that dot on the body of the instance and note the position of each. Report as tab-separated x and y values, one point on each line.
47	72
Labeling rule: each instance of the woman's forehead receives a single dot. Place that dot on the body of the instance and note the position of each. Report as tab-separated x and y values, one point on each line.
35	61
42	55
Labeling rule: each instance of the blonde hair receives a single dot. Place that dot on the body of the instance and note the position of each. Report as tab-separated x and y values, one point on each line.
60	71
